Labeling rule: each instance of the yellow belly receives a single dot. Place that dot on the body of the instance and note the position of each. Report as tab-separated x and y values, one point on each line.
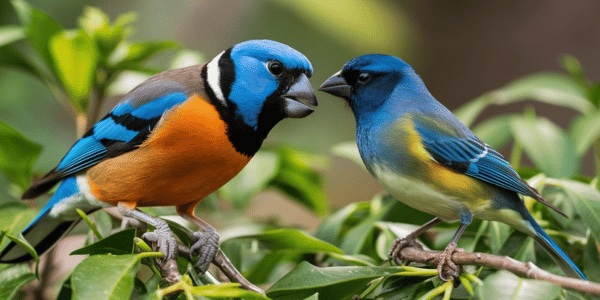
186	157
427	185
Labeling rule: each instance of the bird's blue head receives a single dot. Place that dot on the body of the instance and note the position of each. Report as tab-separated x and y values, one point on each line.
257	83
367	82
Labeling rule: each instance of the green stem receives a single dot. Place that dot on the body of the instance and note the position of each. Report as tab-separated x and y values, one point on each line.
374	284
596	148
146	249
442	289
94	104
142	245
90	224
150	255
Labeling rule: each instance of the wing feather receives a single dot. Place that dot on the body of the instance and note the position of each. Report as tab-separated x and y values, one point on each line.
122	130
472	157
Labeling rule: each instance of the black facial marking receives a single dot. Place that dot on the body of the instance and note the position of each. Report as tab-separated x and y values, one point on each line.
227	73
245	139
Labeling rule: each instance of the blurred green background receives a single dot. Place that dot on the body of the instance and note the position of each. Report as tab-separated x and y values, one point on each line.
460	48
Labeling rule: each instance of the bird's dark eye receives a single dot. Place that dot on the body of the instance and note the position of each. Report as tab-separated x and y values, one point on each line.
364	78
275	67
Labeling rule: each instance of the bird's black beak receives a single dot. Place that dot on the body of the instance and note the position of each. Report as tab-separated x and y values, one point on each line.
337	86
300	98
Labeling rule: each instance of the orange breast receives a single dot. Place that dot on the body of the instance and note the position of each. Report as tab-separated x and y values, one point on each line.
186	157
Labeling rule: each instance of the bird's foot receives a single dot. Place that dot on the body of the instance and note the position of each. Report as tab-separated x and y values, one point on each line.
204	244
163	240
399	244
447	269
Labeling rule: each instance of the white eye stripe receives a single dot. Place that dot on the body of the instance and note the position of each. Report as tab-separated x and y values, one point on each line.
213	77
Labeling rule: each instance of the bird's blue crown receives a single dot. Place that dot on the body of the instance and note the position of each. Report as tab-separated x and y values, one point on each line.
376	63
264	50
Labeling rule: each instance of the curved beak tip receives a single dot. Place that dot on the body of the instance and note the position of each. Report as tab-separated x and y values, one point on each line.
336	85
300	98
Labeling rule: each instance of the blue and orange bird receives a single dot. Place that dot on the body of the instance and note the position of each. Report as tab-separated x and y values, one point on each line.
426	158
171	141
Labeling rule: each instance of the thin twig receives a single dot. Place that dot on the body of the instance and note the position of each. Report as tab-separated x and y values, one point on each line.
225	265
170	272
232	273
94	105
522	269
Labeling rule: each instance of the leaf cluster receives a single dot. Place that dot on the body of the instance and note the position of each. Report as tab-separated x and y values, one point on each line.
347	255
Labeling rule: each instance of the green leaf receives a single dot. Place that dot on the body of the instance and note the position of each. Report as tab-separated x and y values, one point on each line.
93	19
348	150
292	240
573	66
267	267
330	230
13	278
498	233
23	10
584	131
132	55
10	34
358	237
12	58
330	283
105	277
226	290
186	58
585	199
14	216
103	222
551	88
117	243
17	155
505	285
97	24
23	243
548	146
75	56
254	178
594	94
591	257
40	30
495	131
299	180
470	111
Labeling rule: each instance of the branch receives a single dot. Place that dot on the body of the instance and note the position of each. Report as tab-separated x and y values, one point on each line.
225	265
168	268
522	269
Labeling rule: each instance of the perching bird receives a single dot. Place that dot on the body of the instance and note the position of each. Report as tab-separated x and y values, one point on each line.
426	158
173	140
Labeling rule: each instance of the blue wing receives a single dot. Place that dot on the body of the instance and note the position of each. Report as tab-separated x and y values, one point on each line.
469	155
122	130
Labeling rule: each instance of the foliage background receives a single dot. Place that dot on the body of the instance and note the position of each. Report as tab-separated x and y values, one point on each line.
461	49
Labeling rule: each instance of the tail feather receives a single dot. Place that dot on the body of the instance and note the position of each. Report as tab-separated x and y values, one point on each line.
55	220
557	254
43	185
42	235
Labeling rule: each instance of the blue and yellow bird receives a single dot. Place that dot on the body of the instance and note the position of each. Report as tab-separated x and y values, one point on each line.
426	158
171	141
